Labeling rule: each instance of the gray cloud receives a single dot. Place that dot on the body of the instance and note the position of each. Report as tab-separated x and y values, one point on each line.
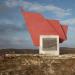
15	40
14	36
10	28
13	33
9	43
3	8
36	7
70	21
12	3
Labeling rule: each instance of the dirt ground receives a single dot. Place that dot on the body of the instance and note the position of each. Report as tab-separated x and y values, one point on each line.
38	65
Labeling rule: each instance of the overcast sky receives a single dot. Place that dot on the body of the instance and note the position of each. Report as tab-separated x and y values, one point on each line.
13	31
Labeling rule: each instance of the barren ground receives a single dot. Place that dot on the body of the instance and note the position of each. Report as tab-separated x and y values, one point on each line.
35	64
38	65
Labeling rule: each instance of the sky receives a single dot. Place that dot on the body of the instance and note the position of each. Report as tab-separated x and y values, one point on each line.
13	29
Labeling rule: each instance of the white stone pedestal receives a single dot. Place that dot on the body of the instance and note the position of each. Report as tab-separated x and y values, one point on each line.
49	44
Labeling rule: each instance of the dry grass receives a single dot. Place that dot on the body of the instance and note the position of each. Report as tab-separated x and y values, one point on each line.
38	65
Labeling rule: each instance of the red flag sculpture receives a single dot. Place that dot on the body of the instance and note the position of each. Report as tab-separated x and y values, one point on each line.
38	25
60	29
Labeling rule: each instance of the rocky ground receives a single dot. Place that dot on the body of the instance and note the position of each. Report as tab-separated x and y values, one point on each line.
38	65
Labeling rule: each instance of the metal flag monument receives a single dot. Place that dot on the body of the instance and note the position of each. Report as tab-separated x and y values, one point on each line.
38	25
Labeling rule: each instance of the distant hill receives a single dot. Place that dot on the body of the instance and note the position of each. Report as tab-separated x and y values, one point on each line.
63	50
19	51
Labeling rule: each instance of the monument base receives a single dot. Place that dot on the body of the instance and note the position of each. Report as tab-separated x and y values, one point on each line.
49	44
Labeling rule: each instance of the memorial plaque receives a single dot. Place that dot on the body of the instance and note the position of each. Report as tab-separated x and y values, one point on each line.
49	44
